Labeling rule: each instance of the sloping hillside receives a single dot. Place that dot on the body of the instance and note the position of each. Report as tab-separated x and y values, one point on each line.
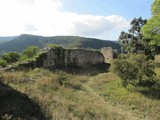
4	39
23	41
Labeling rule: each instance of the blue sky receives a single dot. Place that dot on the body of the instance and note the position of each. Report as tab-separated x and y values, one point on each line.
103	19
126	8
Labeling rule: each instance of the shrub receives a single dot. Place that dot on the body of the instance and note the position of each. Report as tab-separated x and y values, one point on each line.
133	69
54	46
30	52
3	63
11	57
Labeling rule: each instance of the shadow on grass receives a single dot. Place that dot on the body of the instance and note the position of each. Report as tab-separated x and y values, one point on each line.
17	106
90	70
152	91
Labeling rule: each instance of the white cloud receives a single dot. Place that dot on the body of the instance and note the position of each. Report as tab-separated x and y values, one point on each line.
26	2
29	27
42	17
89	25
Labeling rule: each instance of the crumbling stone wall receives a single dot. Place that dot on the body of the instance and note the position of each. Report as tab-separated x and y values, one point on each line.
62	58
108	54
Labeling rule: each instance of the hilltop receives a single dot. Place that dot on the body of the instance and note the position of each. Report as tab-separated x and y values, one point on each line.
23	41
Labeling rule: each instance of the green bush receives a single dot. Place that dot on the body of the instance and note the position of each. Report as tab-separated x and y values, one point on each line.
30	52
133	69
3	63
54	46
11	57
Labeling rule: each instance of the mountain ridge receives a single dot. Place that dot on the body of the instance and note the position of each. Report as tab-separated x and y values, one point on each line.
21	42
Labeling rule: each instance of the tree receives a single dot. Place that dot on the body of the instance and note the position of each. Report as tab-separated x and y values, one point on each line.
31	51
155	8
132	69
133	41
152	29
11	57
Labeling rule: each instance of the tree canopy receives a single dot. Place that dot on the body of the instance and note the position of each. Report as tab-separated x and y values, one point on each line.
133	40
155	7
152	29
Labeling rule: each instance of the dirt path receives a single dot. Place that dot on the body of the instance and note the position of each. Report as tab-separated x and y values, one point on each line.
121	110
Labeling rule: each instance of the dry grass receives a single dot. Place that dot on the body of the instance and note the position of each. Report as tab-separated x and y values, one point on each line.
80	97
157	59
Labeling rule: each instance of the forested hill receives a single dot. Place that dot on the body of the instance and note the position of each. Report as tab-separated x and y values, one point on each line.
4	39
23	41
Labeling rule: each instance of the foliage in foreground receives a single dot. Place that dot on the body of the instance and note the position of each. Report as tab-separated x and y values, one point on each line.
152	29
133	69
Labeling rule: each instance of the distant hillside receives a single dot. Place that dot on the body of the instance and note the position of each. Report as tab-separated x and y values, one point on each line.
4	39
23	41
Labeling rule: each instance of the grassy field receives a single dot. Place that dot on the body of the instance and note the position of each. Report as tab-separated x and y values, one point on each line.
66	96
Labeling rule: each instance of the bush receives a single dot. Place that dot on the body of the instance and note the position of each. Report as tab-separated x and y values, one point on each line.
3	63
11	57
30	52
133	69
54	46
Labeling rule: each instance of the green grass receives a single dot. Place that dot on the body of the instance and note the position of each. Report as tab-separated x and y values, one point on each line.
64	95
131	98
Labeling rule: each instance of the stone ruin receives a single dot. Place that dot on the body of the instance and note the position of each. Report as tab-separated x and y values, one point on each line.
60	58
66	58
108	54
